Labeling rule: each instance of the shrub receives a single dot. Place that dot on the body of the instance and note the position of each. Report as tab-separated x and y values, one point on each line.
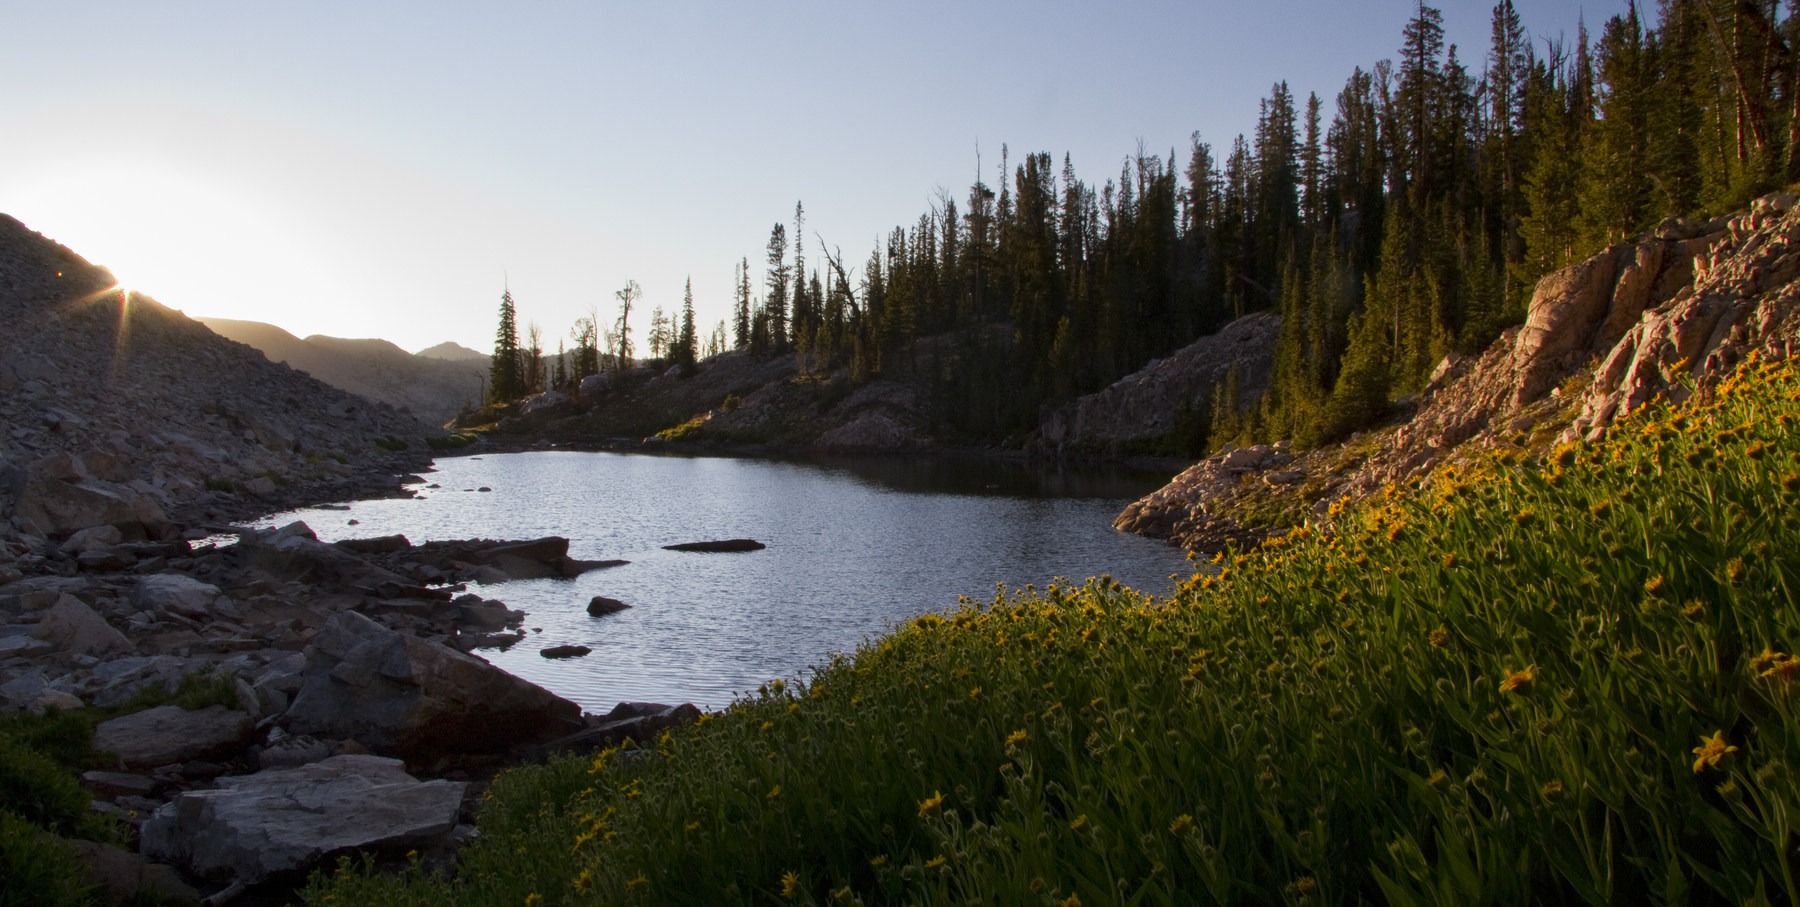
36	870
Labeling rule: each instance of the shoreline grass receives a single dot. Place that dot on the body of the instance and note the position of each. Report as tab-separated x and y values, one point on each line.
1559	679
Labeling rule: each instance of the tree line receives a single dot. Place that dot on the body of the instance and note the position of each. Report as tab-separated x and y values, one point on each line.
1408	221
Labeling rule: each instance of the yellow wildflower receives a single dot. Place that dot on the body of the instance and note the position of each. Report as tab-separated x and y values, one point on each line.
935	862
533	899
773	793
878	861
1710	751
790	884
1439	636
1518	680
1181	824
1073	900
1017	737
1654	584
1078	823
638	881
931	804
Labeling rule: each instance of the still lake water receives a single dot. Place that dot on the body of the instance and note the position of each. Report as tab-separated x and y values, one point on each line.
854	546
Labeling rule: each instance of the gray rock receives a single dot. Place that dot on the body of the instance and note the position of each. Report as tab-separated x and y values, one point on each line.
91	538
168	734
74	627
173	593
292	751
285	821
404	695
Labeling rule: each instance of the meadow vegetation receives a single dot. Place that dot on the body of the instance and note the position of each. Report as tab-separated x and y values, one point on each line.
42	803
1561	678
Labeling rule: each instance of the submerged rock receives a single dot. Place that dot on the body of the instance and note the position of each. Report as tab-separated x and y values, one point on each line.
724	545
565	651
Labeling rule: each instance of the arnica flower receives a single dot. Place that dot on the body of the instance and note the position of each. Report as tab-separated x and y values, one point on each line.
935	862
931	804
1078	823
1439	636
1518	680
1654	584
773	793
1181	824
790	884
1710	751
1017	737
1073	900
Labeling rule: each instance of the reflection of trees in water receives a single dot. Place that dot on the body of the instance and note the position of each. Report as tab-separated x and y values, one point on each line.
1006	478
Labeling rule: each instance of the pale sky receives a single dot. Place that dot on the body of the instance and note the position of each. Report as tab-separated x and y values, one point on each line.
367	169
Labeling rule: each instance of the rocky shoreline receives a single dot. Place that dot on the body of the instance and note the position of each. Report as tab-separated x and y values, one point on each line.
270	702
356	718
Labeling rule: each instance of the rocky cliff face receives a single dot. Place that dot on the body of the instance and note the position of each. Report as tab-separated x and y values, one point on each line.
1667	315
1144	409
435	388
133	416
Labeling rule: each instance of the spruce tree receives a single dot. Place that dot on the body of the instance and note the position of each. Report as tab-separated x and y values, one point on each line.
687	343
506	378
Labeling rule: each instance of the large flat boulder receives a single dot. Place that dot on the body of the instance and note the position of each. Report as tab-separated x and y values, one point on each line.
77	629
289	820
400	694
168	734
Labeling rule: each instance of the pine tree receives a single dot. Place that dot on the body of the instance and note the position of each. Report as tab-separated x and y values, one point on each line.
740	282
687	342
505	374
776	304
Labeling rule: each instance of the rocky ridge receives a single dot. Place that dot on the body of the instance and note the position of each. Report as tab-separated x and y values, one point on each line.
134	416
434	388
1667	315
127	434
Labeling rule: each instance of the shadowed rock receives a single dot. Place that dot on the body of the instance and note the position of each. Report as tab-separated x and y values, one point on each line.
724	545
404	695
565	651
600	605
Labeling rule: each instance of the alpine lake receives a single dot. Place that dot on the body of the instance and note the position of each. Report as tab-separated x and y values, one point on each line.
854	547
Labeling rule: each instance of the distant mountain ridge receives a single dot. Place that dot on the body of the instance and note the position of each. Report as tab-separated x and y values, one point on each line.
453	352
434	385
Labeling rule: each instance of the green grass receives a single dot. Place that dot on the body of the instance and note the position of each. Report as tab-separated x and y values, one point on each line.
455	441
1554	680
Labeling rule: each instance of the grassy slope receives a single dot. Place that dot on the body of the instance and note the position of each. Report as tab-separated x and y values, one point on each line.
1549	680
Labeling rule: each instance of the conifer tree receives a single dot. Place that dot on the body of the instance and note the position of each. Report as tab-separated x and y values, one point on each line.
506	377
776	304
687	342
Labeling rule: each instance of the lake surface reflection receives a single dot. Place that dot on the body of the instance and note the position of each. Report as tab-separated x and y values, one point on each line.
854	546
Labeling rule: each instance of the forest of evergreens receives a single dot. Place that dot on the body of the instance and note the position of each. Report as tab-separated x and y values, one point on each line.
1406	218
